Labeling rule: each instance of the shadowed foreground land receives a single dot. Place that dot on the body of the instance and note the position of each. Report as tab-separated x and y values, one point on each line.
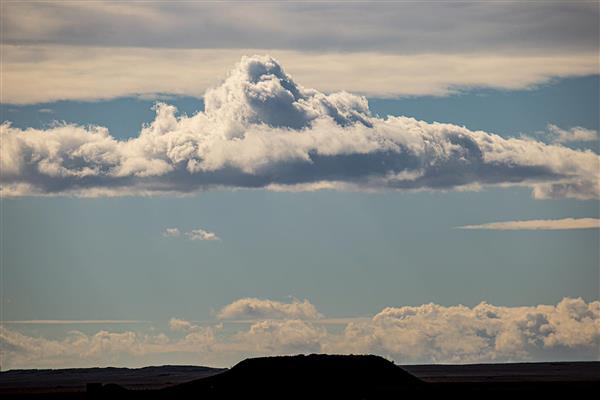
349	377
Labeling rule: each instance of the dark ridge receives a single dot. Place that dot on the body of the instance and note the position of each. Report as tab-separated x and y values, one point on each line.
76	379
563	371
307	377
349	376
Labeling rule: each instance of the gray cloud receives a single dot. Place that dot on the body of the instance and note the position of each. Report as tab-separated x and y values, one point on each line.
56	50
261	129
401	28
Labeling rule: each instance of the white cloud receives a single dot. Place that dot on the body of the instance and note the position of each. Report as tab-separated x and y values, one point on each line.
250	308
575	134
261	129
201	234
171	232
485	333
194	234
540	224
34	74
428	333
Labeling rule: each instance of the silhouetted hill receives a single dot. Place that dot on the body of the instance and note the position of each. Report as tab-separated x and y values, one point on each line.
303	377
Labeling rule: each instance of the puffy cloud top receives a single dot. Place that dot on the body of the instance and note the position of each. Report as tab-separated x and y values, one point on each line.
258	91
261	129
485	332
251	309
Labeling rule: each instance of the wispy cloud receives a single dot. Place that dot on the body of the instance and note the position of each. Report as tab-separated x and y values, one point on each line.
539	224
74	321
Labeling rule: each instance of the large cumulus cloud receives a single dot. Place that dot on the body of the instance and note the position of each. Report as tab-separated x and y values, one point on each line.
459	334
261	129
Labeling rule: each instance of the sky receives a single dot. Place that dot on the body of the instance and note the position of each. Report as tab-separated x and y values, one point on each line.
201	182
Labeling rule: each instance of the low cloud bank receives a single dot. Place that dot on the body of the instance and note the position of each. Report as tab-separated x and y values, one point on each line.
428	333
260	129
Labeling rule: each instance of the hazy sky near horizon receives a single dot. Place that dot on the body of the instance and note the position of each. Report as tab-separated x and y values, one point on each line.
415	180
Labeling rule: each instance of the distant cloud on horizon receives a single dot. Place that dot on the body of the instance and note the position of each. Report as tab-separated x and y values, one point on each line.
538	224
428	333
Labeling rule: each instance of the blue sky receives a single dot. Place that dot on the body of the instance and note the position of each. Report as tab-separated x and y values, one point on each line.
281	244
294	269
